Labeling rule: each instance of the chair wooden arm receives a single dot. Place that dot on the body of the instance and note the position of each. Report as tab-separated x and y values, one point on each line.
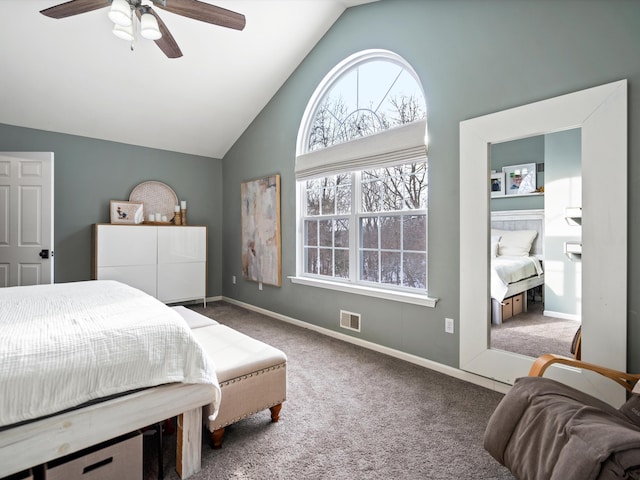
627	380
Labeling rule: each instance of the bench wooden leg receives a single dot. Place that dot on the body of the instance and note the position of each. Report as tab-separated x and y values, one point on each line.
275	412
216	438
217	435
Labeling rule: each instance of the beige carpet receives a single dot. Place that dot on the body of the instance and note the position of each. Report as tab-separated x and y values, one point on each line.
533	334
351	414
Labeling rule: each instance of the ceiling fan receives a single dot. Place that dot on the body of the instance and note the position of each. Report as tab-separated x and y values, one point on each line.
158	31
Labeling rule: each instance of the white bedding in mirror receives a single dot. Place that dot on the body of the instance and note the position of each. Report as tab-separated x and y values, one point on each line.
507	270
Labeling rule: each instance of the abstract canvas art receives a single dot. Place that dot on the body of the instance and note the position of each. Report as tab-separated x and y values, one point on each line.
261	230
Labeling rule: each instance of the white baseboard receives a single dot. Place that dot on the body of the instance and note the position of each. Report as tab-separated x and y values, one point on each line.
423	362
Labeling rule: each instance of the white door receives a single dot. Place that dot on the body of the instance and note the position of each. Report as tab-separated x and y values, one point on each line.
26	218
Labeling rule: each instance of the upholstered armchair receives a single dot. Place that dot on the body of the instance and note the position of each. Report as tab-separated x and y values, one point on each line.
543	429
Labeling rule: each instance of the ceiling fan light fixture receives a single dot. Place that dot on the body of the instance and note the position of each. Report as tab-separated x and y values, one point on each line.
120	13
149	27
125	33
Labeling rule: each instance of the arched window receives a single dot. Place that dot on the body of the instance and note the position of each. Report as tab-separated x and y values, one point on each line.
361	168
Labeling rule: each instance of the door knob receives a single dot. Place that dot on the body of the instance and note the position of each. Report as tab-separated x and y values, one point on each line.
44	254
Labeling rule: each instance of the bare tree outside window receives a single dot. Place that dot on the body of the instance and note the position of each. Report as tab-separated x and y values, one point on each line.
334	124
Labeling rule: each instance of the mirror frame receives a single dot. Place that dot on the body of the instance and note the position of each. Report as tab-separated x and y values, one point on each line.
601	113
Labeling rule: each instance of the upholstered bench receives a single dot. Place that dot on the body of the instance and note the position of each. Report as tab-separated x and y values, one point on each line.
252	374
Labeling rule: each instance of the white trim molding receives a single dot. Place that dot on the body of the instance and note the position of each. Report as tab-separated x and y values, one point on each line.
386	294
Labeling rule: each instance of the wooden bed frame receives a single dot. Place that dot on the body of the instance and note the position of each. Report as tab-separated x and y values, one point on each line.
40	441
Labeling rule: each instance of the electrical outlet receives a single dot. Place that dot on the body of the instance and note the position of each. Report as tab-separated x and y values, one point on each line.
448	325
233	279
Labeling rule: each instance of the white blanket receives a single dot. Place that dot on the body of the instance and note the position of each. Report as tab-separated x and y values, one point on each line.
506	270
66	344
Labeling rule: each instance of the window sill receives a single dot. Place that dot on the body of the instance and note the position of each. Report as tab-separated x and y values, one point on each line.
414	298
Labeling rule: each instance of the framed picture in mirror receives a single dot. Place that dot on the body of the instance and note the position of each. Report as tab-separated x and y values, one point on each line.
520	179
496	184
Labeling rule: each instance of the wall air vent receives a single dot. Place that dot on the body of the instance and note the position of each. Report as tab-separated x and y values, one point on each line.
350	320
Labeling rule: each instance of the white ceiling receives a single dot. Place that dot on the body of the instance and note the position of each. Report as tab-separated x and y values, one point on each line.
74	76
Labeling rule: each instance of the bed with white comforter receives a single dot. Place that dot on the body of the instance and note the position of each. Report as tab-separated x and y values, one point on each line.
66	344
84	362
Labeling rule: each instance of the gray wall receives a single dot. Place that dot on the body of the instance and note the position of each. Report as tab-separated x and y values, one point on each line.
88	173
473	58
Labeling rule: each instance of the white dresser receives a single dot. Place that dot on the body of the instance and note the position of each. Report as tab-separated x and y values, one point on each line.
167	262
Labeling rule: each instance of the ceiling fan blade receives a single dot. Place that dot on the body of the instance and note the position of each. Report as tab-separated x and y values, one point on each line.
74	7
204	12
166	43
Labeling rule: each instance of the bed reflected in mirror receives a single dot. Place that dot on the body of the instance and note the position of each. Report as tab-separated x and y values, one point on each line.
535	233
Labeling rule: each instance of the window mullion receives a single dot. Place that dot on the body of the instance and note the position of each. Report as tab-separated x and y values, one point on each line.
379	248
354	231
317	247
333	244
402	253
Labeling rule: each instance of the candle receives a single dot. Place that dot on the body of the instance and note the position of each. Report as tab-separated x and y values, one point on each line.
176	208
152	217
164	218
183	204
158	216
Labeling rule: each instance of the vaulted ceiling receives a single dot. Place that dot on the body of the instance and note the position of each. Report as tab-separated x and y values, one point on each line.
74	76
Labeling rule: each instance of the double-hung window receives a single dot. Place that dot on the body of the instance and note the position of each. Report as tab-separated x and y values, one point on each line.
368	226
361	172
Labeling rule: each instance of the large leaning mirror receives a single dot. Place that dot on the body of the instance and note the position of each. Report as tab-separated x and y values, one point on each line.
599	114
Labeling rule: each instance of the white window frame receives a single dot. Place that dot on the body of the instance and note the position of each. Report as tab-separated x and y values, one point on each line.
351	285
